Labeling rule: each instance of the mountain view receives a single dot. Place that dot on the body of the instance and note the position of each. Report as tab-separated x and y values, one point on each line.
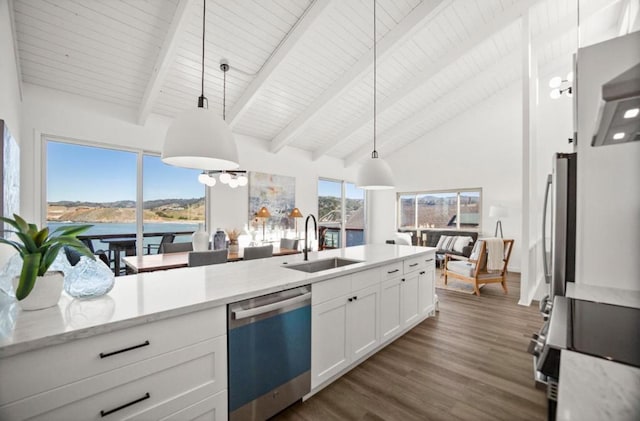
165	210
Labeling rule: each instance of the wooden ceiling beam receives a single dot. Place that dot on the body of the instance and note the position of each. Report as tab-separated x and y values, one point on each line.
313	12
165	59
484	32
414	22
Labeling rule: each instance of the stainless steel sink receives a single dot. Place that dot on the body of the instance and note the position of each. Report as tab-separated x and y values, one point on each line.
324	264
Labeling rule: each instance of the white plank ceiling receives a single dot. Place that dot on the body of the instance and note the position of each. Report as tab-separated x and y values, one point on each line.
301	70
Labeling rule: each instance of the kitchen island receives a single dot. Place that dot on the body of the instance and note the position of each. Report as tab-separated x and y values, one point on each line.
166	332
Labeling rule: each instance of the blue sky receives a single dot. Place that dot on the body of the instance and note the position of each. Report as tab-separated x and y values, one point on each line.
333	188
92	174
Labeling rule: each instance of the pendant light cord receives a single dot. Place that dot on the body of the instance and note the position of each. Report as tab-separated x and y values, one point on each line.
374	154
224	93
202	98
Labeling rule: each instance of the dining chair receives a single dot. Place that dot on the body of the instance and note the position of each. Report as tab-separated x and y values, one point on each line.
166	239
175	247
289	243
203	258
259	252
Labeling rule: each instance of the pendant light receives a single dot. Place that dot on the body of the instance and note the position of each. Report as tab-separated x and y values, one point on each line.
375	174
199	138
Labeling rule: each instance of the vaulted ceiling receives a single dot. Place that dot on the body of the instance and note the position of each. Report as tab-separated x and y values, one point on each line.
301	70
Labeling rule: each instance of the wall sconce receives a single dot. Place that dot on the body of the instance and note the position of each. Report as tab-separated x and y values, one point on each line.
232	178
560	86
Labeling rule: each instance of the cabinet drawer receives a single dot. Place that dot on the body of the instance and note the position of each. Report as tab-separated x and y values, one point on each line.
365	279
413	264
392	270
150	385
43	369
330	289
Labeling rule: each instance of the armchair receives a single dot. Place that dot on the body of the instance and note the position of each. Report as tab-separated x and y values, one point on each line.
474	268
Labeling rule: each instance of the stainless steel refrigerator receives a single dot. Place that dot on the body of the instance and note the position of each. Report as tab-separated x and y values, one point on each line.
559	219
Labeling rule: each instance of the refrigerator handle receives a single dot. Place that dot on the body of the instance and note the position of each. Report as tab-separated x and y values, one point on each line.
547	273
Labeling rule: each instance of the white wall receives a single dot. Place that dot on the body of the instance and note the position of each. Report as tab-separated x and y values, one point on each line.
608	200
480	148
58	114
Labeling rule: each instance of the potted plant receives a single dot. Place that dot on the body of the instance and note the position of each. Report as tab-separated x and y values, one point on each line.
37	287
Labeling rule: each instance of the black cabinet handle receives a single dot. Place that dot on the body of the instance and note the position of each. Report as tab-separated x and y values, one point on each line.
350	299
393	271
422	273
413	265
402	279
355	297
430	260
111	411
109	354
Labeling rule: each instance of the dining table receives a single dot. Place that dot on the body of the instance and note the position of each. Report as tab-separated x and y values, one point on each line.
163	261
126	244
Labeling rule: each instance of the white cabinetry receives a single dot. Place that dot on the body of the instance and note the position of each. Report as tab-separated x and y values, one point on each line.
345	323
353	315
172	368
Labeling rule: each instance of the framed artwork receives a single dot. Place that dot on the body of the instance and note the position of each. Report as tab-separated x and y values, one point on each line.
10	170
275	192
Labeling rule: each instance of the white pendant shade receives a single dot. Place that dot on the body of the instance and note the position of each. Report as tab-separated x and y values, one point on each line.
200	139
375	174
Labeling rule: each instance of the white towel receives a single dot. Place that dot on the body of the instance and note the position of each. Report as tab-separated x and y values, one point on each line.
495	254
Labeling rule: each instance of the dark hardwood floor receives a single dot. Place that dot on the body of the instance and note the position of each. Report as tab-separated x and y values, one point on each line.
469	362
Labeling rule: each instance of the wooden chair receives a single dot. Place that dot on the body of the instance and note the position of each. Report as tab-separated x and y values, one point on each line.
203	258
474	268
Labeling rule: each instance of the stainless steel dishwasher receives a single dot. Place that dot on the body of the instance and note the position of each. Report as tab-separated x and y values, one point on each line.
269	349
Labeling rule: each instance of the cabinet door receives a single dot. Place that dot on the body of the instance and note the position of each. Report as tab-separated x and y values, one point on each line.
426	292
390	310
410	301
329	339
364	321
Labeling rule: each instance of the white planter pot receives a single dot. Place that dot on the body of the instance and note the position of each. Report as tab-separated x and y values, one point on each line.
45	293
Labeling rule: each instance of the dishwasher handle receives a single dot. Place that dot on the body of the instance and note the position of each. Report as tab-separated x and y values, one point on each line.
256	311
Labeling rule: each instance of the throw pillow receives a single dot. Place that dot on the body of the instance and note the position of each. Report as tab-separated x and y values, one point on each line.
441	242
461	243
449	242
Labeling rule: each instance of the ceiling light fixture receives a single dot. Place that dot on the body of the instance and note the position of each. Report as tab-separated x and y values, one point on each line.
375	174
235	178
199	138
632	113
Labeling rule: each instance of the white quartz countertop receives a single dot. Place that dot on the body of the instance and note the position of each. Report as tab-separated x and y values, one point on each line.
592	388
137	299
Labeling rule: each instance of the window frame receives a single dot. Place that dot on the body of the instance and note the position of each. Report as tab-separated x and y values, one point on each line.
415	194
140	153
343	205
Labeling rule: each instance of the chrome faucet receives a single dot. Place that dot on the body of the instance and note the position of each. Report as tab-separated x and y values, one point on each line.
306	228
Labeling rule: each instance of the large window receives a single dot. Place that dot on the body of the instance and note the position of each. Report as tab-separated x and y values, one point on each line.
454	209
99	186
340	214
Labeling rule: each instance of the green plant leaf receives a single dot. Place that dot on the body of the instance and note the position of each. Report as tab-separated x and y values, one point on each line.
22	225
28	275
21	249
27	241
41	236
10	222
49	257
79	246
